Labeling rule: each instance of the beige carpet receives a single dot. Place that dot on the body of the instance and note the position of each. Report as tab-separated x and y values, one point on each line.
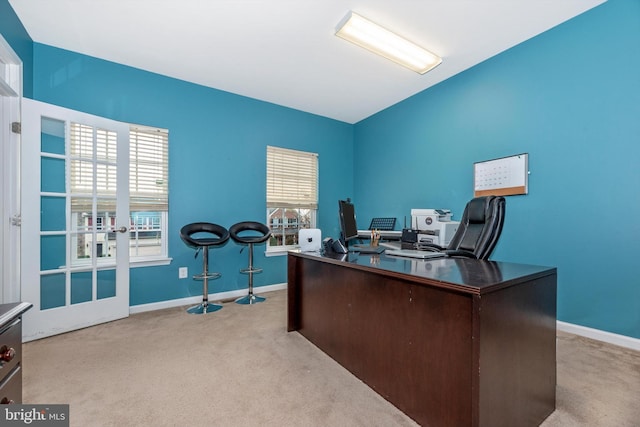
239	367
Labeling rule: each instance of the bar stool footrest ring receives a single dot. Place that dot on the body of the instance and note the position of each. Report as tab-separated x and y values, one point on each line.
208	276
251	270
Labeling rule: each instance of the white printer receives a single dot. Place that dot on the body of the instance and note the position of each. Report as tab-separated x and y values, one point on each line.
434	226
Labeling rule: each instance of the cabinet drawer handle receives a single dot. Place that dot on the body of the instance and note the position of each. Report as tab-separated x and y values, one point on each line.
7	354
6	401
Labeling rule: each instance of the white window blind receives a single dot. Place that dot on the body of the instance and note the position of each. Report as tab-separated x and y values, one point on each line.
292	178
149	166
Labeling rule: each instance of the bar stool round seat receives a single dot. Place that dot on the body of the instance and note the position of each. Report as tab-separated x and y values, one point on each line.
201	236
250	233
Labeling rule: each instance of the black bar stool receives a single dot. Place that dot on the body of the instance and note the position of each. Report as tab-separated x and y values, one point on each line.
252	233
208	235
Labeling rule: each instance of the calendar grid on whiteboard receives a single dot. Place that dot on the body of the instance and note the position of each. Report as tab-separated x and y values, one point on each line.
505	176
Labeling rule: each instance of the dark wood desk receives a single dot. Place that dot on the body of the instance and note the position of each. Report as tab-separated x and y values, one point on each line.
450	342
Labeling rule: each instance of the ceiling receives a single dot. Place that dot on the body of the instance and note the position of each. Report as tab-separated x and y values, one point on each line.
285	51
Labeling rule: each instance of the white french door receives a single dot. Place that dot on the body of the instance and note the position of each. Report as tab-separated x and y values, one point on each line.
75	219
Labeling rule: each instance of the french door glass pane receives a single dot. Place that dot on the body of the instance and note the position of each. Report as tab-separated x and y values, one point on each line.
81	176
52	213
81	243
81	220
81	287
106	179
52	252
106	146
52	136
52	179
52	290
82	139
106	284
106	245
105	224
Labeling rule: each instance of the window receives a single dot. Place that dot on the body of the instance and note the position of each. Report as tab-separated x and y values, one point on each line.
148	192
292	195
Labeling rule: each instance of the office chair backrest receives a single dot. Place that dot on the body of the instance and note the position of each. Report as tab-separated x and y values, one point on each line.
480	228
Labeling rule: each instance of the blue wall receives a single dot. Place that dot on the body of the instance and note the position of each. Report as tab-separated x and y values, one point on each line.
568	97
571	99
217	154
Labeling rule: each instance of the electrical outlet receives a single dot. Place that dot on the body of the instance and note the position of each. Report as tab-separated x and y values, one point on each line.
183	273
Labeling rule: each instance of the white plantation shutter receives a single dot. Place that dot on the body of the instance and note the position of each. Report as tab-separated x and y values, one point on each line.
149	166
92	150
292	178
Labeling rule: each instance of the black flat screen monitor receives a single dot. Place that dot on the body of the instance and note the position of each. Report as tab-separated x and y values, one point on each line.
348	227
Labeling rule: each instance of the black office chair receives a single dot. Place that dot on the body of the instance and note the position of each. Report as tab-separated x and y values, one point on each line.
250	233
479	230
201	236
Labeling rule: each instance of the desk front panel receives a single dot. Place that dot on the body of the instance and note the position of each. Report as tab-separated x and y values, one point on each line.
448	342
410	343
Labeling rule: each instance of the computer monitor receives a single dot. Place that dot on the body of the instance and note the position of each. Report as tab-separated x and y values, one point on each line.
348	227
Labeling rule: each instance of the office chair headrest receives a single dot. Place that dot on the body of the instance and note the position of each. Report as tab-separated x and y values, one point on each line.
477	210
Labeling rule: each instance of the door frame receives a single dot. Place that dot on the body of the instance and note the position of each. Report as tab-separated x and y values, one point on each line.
10	112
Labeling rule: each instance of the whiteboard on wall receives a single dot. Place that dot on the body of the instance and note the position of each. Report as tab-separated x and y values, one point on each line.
506	176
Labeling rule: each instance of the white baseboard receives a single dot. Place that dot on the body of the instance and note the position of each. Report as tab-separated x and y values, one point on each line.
596	334
195	300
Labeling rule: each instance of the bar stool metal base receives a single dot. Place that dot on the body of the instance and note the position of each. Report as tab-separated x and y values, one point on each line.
250	299
204	308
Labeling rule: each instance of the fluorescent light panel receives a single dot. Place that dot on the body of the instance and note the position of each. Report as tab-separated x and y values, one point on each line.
371	36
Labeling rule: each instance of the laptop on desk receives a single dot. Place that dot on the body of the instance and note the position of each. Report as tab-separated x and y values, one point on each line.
367	249
414	253
391	245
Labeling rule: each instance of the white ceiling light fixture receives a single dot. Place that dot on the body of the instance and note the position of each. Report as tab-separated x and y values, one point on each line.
371	36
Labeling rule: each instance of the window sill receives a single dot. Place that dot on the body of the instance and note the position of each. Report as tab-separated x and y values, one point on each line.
150	262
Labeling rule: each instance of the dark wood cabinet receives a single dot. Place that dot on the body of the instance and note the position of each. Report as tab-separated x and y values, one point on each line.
11	352
450	342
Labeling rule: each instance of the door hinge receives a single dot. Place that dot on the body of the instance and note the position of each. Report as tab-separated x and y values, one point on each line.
16	127
16	220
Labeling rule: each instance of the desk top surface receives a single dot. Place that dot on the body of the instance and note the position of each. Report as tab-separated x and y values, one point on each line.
469	275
